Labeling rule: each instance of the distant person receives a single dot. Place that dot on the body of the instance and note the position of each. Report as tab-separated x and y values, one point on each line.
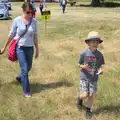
41	6
25	45
34	9
34	12
63	4
91	63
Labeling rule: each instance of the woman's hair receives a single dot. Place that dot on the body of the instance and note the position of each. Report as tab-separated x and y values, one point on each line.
27	5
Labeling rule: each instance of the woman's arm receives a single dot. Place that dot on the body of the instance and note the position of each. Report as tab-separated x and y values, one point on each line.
6	44
12	33
36	41
37	48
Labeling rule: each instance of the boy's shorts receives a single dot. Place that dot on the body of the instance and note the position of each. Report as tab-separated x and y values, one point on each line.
86	86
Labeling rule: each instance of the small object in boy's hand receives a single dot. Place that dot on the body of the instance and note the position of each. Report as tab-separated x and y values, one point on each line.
98	73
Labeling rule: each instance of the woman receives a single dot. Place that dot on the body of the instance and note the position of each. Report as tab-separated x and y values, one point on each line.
25	45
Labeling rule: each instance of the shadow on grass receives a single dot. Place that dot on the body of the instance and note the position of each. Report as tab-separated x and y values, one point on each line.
38	87
111	4
108	109
82	5
9	18
10	14
106	4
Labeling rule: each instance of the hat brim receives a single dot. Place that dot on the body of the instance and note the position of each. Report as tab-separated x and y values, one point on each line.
100	41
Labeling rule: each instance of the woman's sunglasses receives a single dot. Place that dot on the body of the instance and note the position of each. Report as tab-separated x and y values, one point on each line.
28	12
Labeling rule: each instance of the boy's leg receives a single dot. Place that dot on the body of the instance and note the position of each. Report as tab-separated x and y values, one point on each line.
80	99
92	90
89	106
84	89
90	100
83	93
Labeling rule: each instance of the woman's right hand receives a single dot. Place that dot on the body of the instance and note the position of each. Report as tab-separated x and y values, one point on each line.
2	50
5	45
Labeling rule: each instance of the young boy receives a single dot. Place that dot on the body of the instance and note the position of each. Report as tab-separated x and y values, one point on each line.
91	63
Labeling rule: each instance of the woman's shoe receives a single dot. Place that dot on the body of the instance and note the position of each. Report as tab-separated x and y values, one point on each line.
27	95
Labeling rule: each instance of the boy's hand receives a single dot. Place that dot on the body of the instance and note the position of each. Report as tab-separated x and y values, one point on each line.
100	71
85	66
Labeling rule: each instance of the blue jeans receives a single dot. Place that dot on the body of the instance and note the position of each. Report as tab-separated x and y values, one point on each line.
25	55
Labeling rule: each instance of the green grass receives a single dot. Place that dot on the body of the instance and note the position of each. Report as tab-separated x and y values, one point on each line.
54	77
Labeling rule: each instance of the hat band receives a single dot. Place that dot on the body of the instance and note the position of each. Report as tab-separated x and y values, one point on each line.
93	38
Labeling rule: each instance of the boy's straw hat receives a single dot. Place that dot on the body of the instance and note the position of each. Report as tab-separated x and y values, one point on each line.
93	35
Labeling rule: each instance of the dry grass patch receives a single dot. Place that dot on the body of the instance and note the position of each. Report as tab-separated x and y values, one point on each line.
55	77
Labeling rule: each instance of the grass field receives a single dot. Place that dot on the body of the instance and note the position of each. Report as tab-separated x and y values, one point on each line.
55	77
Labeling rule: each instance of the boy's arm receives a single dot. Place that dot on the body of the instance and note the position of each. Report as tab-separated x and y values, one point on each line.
102	62
81	62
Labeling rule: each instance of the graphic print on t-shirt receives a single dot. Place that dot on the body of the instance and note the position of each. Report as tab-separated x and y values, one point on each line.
92	63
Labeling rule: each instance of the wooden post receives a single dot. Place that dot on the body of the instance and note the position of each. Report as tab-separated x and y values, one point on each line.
45	25
26	1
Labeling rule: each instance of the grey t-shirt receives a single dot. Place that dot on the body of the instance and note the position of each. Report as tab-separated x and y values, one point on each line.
18	27
94	60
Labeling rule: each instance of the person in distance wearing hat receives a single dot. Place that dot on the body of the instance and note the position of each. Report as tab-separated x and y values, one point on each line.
91	63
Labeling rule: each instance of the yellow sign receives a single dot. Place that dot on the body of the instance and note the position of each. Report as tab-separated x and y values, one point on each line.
46	15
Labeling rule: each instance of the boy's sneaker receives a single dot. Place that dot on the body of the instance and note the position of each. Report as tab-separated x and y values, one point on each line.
88	114
27	95
79	103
